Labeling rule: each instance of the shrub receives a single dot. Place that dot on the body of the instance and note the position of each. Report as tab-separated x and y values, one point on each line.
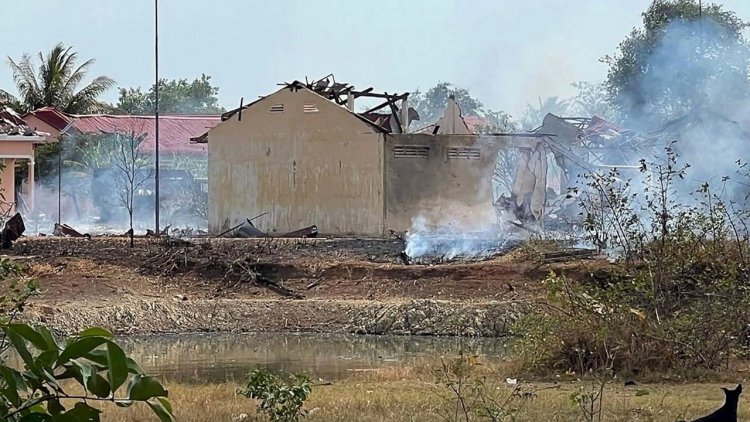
678	298
469	395
280	400
91	359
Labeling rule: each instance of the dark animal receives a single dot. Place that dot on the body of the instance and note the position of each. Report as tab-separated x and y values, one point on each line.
727	412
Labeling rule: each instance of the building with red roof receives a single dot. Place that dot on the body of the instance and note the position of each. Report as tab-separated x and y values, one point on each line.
175	131
17	141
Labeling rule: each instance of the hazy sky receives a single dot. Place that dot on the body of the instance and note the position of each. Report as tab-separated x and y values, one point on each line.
506	52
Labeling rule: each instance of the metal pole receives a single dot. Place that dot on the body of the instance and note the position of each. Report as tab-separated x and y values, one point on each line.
59	182
63	133
156	113
700	23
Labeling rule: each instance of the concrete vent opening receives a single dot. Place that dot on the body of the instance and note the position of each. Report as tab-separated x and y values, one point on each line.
310	108
277	108
410	151
469	153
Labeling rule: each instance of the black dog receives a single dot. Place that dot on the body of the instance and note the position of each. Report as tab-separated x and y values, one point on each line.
727	412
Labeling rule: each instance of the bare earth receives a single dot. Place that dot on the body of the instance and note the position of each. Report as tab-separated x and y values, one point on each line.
355	285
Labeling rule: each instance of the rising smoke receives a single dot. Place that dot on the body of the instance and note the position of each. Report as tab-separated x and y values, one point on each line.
92	172
470	230
695	91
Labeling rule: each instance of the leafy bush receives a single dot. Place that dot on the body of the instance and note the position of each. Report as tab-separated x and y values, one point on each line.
280	400
43	390
678	298
92	360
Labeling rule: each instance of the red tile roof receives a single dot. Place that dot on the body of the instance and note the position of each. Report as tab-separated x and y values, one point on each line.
473	121
175	132
50	115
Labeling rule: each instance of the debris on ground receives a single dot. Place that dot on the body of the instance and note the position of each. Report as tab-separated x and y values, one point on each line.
307	232
234	270
249	231
65	230
568	255
13	229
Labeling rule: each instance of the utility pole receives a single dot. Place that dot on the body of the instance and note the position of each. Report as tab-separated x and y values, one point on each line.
156	114
60	145
700	26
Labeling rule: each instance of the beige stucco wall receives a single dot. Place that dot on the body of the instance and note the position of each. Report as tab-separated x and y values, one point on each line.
323	168
444	191
16	148
7	183
41	126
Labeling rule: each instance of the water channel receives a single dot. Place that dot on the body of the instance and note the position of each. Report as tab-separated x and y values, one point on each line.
218	358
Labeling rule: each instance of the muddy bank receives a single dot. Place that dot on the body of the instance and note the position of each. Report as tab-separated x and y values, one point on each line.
159	315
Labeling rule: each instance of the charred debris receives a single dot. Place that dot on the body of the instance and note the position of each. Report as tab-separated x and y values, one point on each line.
542	165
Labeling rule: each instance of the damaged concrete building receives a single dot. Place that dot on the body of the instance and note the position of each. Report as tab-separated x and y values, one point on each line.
17	143
304	156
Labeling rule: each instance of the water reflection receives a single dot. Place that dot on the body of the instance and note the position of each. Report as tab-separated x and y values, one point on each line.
229	357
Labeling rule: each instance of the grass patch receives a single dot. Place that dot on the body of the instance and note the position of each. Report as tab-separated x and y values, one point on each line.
414	400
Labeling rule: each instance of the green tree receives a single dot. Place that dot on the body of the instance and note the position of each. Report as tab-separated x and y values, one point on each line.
591	100
431	104
684	59
176	96
533	116
56	83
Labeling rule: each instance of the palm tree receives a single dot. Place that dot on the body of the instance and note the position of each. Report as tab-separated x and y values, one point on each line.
56	81
533	116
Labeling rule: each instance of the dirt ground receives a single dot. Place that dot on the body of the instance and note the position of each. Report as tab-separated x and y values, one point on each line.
307	280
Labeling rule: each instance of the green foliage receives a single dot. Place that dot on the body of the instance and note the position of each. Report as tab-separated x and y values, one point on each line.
589	398
682	59
176	96
534	116
431	104
677	300
469	395
592	99
280	400
61	379
92	360
56	82
15	289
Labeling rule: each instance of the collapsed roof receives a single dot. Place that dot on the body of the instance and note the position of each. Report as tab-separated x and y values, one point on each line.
11	124
344	94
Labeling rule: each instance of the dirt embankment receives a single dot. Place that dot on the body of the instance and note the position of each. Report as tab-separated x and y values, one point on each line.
321	285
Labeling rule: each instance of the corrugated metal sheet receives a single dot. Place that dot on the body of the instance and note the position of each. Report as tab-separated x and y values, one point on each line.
174	131
51	116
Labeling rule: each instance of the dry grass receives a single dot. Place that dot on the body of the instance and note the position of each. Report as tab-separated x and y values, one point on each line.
410	394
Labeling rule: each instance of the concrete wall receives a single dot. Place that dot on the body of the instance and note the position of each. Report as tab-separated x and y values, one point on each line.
16	148
447	179
421	179
42	126
304	168
7	185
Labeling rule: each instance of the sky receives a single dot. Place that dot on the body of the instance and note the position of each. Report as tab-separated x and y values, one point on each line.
508	53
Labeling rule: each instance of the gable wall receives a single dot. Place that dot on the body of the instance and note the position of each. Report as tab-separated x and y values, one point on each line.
323	168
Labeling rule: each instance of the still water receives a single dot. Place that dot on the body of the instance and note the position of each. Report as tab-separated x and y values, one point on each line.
216	358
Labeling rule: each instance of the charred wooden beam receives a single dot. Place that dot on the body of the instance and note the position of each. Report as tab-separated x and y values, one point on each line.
394	112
